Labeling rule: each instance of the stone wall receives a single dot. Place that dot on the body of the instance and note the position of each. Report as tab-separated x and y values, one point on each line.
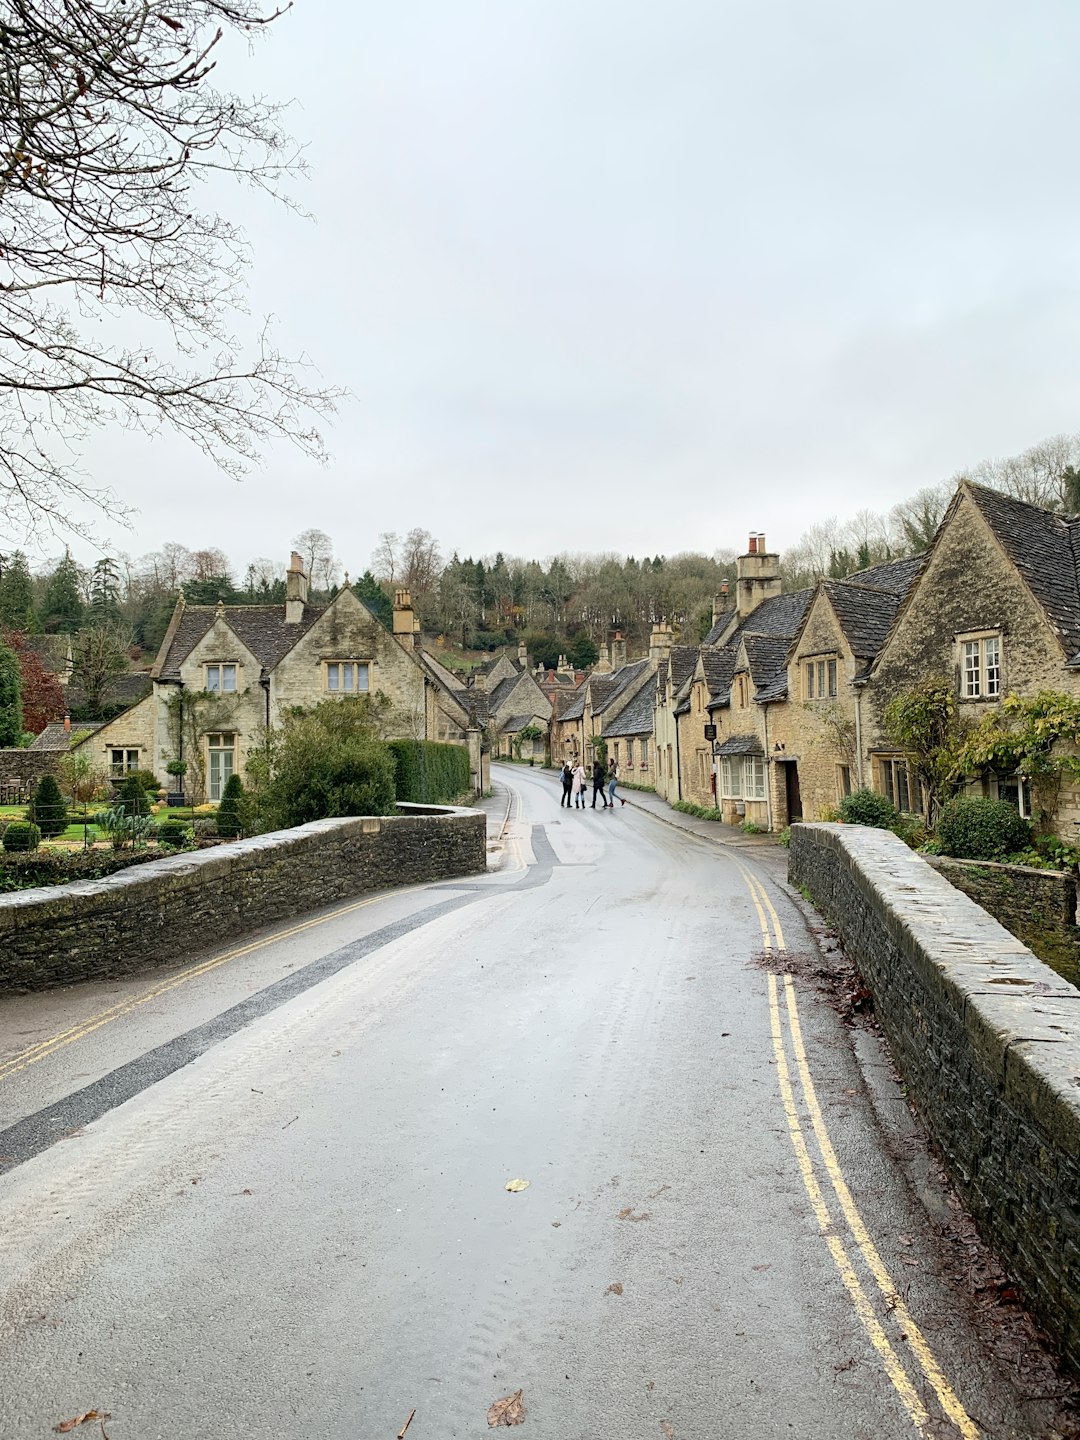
173	908
26	767
1037	906
988	1040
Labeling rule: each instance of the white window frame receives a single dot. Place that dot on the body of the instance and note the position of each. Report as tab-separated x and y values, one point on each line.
347	677
742	777
644	761
125	765
980	666
221	742
221	677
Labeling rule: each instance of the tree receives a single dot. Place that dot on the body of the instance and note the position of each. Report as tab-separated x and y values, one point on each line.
62	608
368	589
99	653
316	549
16	592
11	716
327	761
42	694
582	652
80	774
109	122
105	592
230	821
47	809
385	558
924	722
1035	737
918	518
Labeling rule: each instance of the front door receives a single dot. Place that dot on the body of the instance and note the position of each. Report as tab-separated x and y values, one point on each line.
794	795
222	756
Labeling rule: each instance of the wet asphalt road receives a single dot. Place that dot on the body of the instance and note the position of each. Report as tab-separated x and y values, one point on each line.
266	1197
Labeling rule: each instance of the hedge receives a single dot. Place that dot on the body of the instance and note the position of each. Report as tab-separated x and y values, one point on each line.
428	773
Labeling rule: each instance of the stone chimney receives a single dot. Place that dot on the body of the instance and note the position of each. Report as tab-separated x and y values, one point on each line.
618	651
564	667
523	655
721	602
603	665
758	574
660	642
404	621
296	590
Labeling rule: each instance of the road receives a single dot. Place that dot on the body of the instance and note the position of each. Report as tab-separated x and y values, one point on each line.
265	1195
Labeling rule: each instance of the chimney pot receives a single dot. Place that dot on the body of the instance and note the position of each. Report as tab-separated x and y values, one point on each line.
67	724
751	548
761	541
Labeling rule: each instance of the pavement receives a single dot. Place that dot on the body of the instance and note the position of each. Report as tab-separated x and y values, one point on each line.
582	1129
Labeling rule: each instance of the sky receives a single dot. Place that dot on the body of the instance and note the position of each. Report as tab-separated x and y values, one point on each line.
644	278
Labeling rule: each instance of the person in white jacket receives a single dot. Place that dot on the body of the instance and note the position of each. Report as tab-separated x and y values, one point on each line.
578	787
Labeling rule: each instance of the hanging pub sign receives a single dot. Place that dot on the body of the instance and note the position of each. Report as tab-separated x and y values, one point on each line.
710	732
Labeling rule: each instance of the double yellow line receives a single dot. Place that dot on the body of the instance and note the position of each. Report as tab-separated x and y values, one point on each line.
44	1048
856	1231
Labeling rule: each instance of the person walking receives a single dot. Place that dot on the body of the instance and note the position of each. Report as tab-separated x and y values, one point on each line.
599	775
567	784
578	785
613	780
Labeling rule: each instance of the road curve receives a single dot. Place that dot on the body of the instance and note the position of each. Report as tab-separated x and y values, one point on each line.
265	1194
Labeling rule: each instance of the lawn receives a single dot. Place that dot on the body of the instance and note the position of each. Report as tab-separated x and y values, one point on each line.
74	832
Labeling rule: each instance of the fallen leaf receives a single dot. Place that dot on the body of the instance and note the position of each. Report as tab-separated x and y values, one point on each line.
762	1267
627	1213
67	1425
650	1386
668	1429
614	1289
508	1411
516	1186
555	1224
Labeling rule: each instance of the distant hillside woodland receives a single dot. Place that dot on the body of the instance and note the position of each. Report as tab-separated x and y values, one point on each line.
565	605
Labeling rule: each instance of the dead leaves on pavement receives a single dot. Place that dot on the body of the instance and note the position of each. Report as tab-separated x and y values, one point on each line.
66	1426
508	1411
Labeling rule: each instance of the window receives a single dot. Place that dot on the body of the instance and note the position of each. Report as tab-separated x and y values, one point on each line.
669	763
844	780
1015	791
742	777
222	754
221	678
895	782
121	762
629	752
821	679
346	677
980	668
703	768
616	752
644	753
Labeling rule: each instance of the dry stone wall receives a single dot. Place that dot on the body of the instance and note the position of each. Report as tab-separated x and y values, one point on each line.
988	1039
173	908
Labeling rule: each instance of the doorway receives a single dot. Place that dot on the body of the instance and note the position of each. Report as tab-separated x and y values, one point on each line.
792	791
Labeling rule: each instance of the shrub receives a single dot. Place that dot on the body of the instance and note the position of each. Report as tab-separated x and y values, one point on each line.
132	799
229	817
784	838
911	829
22	835
973	828
147	779
867	807
173	833
47	808
328	761
429	773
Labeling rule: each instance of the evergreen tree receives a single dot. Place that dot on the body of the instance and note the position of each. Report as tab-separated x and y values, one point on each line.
11	716
47	809
229	820
17	595
105	592
368	589
133	797
62	608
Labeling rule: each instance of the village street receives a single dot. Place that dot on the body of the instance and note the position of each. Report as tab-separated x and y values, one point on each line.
266	1194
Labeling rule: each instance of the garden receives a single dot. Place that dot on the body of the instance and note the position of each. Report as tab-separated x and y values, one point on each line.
328	761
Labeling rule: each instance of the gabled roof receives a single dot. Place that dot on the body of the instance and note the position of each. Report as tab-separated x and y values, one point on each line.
766	657
719	667
261	628
621	681
636	718
683	659
1044	548
576	708
865	615
55	737
779	615
502	692
894	576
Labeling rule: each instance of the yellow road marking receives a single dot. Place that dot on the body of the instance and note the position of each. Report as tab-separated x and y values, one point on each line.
43	1048
757	889
863	1308
930	1368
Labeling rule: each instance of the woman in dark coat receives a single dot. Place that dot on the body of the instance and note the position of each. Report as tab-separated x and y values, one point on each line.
599	778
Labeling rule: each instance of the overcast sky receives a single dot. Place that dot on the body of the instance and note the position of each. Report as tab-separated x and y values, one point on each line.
642	277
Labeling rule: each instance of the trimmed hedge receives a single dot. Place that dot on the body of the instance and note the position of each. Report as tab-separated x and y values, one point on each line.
21	835
973	828
867	807
230	822
51	867
429	773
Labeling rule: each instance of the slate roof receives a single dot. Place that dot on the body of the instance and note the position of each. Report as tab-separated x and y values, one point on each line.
127	690
636	717
683	660
779	615
865	615
576	709
55	737
621	681
895	576
1045	548
516	723
502	691
262	629
719	667
740	745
